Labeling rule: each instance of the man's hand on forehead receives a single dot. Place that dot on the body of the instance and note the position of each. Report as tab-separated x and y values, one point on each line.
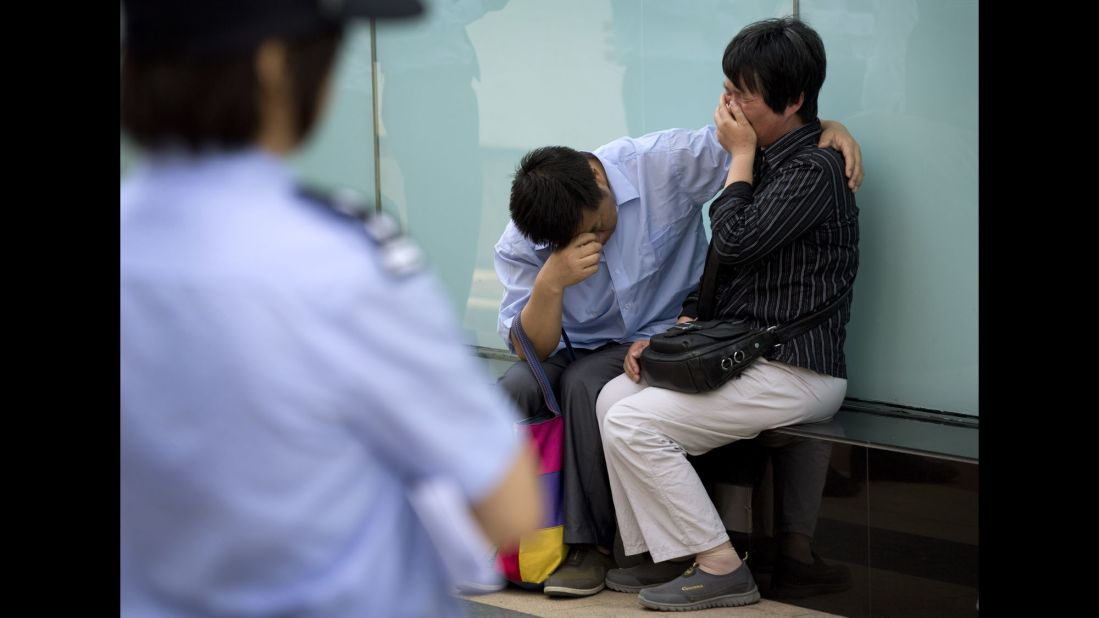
573	262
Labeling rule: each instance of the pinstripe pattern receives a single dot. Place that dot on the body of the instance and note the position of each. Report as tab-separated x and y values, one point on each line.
789	246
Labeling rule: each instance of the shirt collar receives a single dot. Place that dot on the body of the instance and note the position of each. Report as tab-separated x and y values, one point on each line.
807	134
623	189
266	169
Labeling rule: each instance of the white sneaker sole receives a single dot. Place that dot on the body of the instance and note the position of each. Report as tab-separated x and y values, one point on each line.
562	591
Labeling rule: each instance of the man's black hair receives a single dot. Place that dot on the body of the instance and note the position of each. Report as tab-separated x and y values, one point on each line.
553	186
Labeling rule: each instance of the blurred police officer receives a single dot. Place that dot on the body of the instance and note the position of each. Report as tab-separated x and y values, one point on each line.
287	372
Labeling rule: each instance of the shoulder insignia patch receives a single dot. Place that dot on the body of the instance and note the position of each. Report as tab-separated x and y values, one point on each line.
400	256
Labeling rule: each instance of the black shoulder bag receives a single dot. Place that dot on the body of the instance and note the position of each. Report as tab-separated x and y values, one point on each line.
700	356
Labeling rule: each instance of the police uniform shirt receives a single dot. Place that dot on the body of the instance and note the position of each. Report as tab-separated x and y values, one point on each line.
284	374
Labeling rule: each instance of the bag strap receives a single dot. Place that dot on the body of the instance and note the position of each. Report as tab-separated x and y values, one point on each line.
536	365
706	291
811	321
781	334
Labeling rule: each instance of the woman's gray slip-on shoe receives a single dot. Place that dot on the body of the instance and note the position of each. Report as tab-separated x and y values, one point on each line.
696	589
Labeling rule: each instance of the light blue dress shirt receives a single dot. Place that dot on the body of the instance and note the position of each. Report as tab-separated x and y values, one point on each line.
656	254
280	389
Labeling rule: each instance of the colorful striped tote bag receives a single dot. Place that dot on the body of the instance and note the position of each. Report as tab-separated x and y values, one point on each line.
540	553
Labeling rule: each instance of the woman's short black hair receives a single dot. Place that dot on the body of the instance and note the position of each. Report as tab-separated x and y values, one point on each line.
779	59
201	101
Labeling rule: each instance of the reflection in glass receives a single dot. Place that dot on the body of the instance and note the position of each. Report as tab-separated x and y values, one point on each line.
431	122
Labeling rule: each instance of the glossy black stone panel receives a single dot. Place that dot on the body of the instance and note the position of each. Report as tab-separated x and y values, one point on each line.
923	535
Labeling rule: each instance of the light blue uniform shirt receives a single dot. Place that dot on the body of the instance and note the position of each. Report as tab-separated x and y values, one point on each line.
279	386
655	256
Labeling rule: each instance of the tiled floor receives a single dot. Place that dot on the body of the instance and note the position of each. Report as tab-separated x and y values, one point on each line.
909	597
514	602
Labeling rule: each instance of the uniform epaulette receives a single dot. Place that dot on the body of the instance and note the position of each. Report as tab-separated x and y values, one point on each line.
400	256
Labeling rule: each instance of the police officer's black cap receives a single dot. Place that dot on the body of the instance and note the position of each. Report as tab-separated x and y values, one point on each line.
214	27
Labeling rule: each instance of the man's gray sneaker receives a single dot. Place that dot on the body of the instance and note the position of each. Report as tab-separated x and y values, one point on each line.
581	574
646	575
696	589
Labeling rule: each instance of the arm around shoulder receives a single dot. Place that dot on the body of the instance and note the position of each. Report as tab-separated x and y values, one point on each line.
835	135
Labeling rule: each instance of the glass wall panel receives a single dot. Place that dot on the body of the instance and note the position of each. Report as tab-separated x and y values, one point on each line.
902	75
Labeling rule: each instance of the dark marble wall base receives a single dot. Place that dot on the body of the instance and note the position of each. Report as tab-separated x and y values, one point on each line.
906	527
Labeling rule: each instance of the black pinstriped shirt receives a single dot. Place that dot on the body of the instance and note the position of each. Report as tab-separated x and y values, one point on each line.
788	246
